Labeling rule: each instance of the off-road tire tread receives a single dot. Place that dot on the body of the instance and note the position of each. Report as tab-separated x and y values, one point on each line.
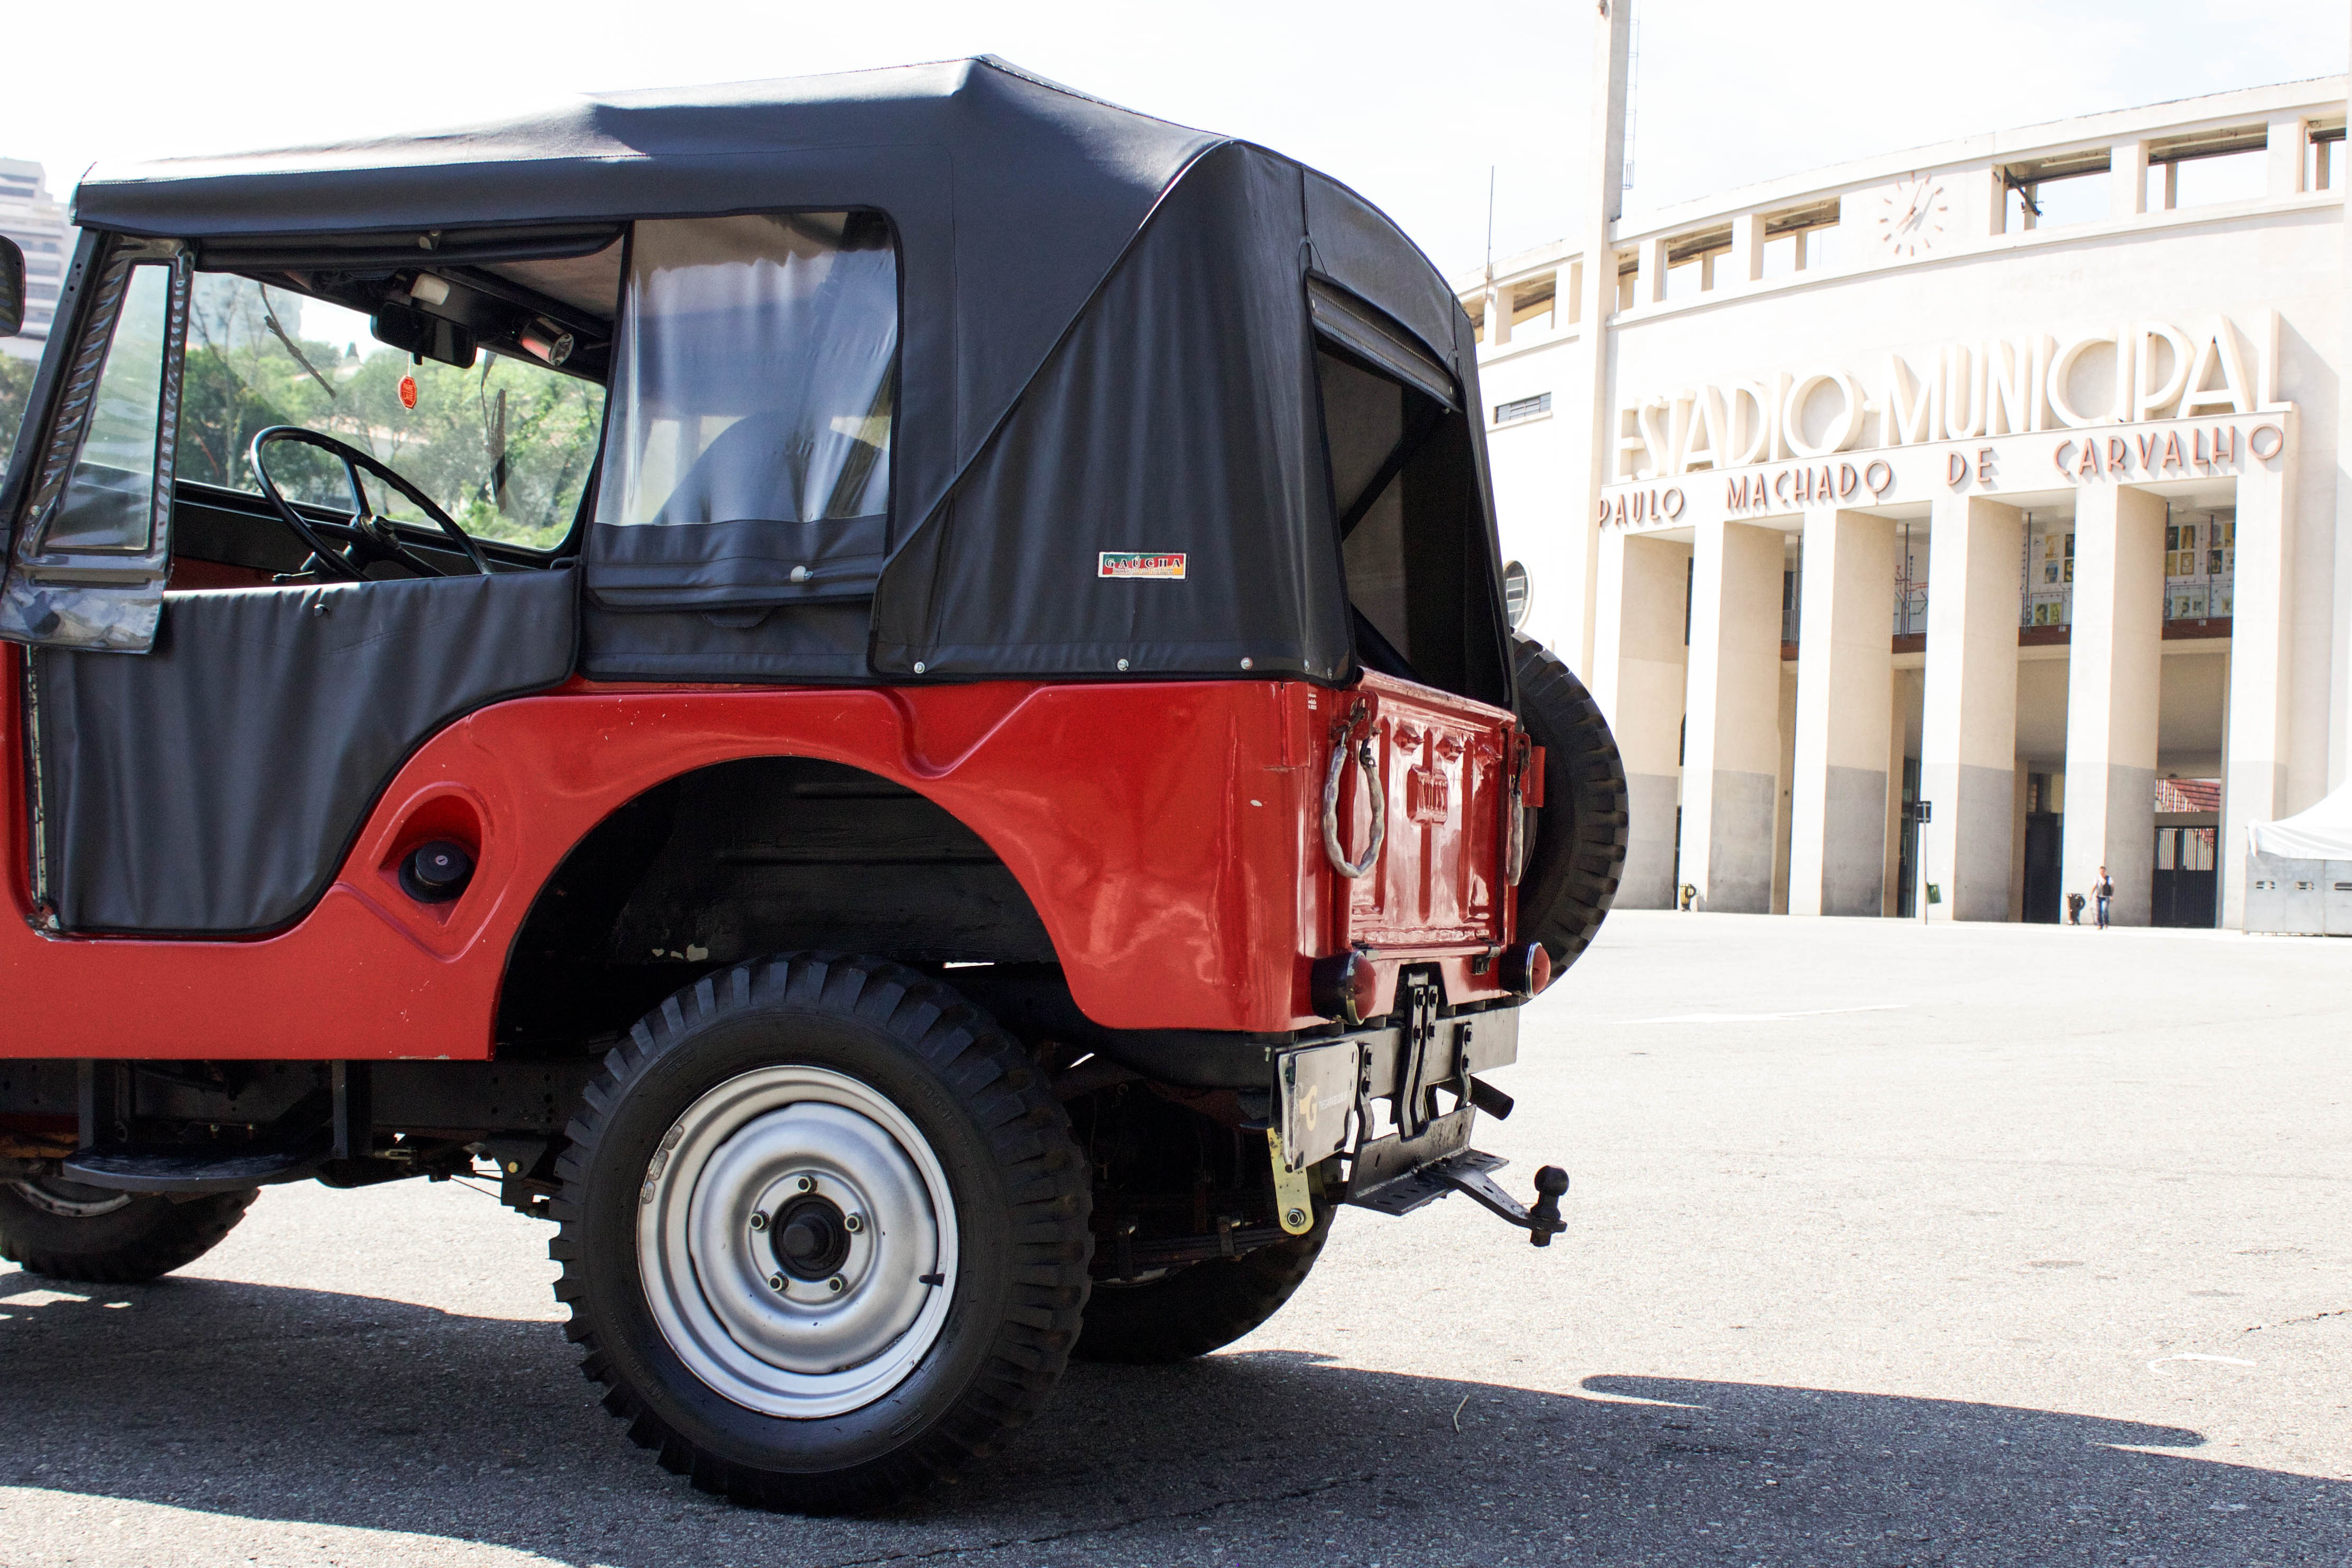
1578	853
172	1235
1202	1307
1029	1136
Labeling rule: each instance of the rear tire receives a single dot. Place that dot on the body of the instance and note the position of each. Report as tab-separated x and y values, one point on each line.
1578	848
68	1231
762	1343
1201	1307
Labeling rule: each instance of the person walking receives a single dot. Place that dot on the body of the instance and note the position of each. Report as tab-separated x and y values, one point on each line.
2102	890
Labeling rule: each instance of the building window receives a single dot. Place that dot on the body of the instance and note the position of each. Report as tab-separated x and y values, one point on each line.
1529	301
2198	559
1523	408
2049	576
1910	587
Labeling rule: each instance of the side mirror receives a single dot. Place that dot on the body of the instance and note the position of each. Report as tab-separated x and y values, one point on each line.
12	288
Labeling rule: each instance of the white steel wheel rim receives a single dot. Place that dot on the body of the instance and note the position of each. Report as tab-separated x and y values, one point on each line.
60	1198
750	1319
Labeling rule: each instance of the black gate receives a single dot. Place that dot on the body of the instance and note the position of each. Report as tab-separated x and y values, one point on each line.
2042	840
2186	882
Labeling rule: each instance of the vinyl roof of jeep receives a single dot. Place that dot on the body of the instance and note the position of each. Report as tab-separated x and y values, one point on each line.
1106	330
983	129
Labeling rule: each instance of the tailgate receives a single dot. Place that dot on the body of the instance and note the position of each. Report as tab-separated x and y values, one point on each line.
1437	885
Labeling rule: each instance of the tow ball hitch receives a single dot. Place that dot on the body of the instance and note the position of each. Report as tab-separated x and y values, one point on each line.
1466	1172
1471	1173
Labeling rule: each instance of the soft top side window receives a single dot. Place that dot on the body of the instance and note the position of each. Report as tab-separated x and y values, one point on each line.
755	372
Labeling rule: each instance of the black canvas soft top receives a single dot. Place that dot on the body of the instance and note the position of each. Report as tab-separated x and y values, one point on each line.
1106	347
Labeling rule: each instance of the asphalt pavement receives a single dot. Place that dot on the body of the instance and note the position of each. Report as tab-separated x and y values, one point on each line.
1887	1245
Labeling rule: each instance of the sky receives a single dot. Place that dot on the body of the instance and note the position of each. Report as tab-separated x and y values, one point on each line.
1412	104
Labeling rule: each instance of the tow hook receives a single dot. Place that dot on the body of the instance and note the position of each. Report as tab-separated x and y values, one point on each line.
1466	1172
1470	1172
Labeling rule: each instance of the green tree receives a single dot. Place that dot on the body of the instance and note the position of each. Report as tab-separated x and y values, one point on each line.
15	390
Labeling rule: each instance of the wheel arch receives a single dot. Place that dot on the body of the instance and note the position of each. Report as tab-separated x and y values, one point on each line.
732	859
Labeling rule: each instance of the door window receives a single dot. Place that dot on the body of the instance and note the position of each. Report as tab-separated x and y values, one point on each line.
90	547
505	444
109	502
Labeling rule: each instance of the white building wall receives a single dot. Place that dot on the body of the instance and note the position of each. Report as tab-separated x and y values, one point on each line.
1904	328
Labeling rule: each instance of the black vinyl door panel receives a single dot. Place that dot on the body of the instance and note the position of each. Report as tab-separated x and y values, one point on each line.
213	786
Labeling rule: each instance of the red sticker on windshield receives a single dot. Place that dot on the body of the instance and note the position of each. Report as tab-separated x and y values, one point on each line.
1128	563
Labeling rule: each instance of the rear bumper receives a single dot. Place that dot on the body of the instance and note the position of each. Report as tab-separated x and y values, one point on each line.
1323	1093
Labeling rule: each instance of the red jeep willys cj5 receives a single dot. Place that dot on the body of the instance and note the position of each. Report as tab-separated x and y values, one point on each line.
908	720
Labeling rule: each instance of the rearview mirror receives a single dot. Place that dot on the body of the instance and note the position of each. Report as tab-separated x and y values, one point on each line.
406	327
12	288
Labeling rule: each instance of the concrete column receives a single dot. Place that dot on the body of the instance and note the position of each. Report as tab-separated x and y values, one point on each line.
1978	197
1650	280
1845	694
2114	657
1731	759
1967	737
1499	302
2128	179
1746	263
2254	744
2287	135
1639	659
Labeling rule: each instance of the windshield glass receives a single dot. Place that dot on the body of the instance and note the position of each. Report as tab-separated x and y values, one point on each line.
506	446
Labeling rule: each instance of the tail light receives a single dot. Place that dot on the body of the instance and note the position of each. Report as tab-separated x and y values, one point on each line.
1344	986
1525	971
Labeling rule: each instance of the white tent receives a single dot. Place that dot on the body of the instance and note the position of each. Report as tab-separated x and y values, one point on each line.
2299	878
2324	832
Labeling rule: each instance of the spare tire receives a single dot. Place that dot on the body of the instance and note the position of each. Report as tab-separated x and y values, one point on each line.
1577	849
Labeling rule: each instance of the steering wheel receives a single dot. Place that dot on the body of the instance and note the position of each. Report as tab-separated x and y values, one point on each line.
373	539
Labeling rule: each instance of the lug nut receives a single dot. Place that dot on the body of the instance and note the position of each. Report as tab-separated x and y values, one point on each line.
837	1284
758	1220
807	1183
854	1223
775	1282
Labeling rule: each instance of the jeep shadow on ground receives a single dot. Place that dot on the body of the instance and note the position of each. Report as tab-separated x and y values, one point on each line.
280	1404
